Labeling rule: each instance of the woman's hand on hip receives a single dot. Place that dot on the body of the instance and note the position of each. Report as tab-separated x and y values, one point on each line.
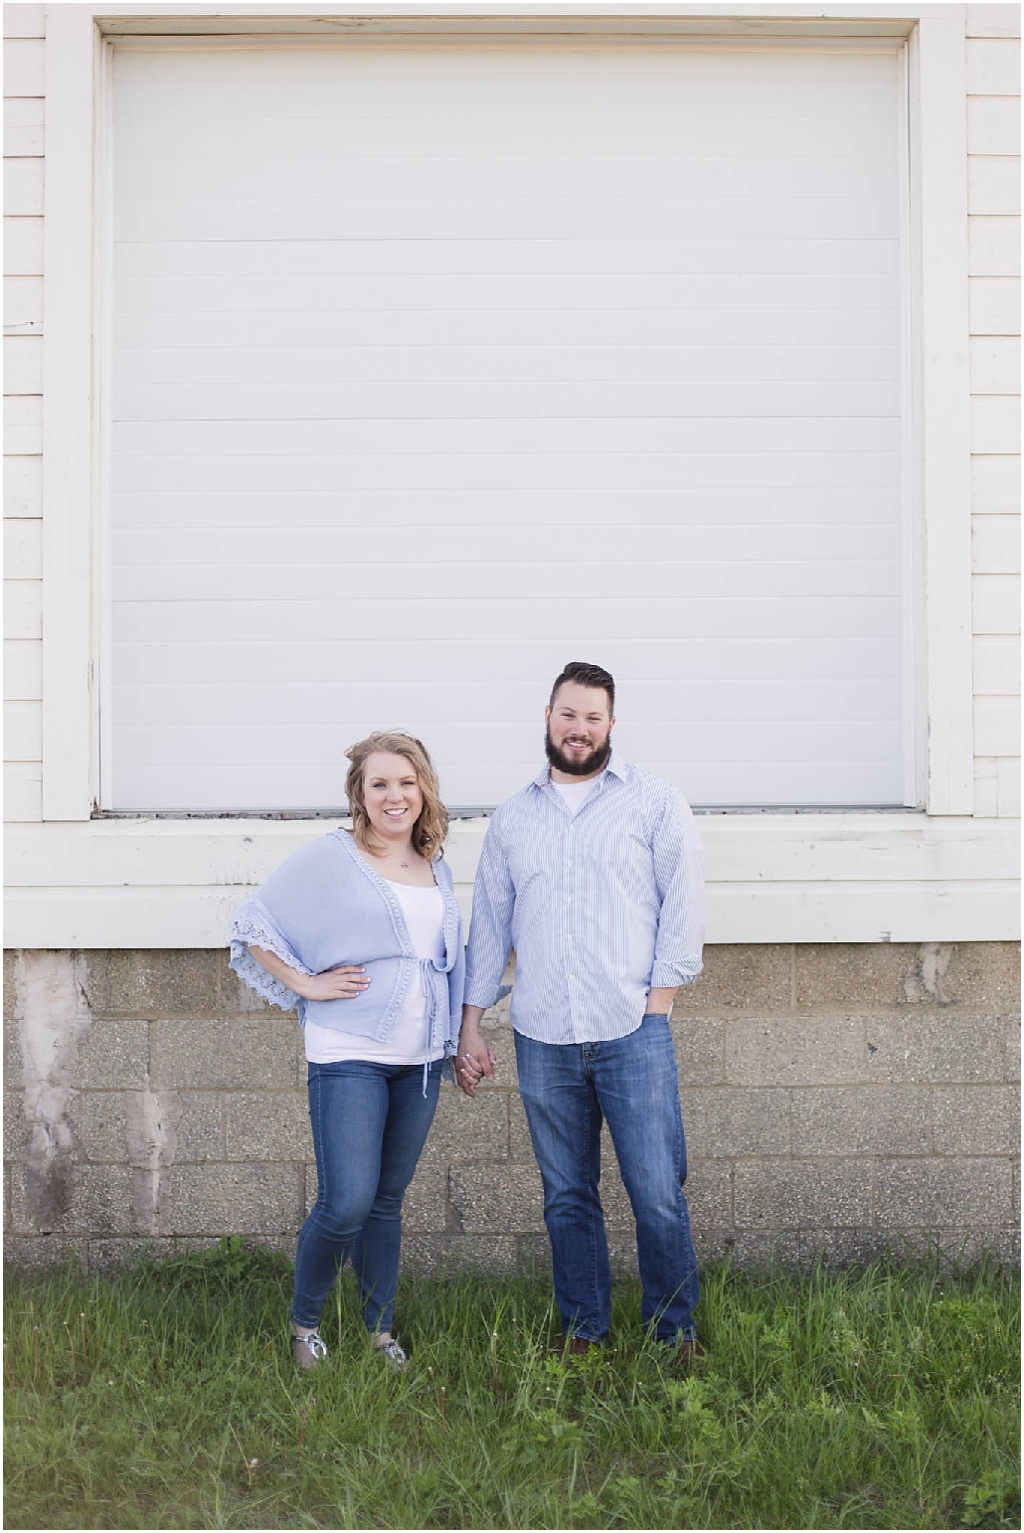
344	983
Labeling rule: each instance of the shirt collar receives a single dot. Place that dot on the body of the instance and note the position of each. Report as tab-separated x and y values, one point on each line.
616	766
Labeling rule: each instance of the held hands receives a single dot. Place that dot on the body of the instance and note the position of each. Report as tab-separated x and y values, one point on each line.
474	1059
341	984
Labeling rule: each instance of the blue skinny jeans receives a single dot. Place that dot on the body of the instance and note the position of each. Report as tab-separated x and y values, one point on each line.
370	1123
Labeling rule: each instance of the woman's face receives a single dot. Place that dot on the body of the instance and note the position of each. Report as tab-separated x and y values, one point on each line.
391	792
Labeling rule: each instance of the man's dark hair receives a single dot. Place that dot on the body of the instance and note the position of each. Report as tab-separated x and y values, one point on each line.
585	675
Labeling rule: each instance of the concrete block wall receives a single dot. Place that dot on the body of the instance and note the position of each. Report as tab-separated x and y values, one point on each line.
838	1100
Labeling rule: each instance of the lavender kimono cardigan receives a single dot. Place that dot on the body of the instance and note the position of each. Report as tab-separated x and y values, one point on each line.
326	906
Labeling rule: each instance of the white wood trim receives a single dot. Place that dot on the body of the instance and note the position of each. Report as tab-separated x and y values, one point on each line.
915	700
103	573
898	877
940	181
67	415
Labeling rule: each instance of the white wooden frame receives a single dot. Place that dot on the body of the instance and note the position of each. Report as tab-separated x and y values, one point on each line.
747	854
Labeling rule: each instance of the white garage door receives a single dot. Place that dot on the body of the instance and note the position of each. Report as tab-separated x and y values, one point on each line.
436	367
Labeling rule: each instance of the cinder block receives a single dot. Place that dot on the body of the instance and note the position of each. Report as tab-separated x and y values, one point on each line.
926	1045
726	1121
16	1128
795	1051
501	1042
1011	1052
520	1143
700	1048
845	975
622	1257
10	991
505	1200
113	1054
156	982
469	1130
709	1195
984	976
12	1052
267	1125
250	1053
976	1120
34	1253
755	976
439	1255
117	1255
764	1250
425	1206
802	1194
712	1246
844	1248
235	1199
998	1244
618	1212
240	1000
103	1125
861	1120
200	1127
72	1200
533	1255
942	1194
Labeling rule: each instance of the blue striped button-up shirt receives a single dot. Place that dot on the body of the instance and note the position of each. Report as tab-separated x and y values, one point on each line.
600	906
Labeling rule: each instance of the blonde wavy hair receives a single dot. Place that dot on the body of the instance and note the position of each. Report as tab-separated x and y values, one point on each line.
431	828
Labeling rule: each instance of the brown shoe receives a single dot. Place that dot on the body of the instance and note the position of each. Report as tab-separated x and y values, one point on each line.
688	1355
575	1346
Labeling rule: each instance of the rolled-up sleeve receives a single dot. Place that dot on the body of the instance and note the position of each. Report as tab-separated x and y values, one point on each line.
679	871
490	930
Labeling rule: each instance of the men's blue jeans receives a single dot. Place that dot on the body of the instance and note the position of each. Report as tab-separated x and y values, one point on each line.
370	1123
568	1089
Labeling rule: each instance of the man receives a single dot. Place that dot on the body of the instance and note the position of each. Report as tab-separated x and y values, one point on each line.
593	873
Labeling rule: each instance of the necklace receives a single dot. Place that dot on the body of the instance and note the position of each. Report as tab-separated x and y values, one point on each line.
392	857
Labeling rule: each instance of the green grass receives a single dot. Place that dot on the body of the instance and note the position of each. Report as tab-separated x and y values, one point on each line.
165	1398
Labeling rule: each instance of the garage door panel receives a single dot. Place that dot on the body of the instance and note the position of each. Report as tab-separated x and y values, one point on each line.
217	441
246	665
485	472
442	544
698	704
317	139
523	401
497	615
536	580
498	218
801	345
566	311
267	175
737	509
188	277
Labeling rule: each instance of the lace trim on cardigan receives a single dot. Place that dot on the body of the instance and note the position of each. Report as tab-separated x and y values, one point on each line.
253	925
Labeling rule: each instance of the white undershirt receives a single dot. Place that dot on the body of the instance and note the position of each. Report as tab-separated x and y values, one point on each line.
423	909
575	794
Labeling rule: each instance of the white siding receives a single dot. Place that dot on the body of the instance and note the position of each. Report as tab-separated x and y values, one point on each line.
420	394
993	142
23	321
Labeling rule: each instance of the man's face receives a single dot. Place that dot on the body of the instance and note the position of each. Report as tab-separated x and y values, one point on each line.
579	727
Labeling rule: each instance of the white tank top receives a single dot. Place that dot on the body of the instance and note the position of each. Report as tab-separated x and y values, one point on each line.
423	910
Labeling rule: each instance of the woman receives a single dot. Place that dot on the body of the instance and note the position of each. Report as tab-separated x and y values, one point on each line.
361	932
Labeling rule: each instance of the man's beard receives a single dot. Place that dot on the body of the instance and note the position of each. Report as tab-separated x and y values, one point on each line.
586	766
